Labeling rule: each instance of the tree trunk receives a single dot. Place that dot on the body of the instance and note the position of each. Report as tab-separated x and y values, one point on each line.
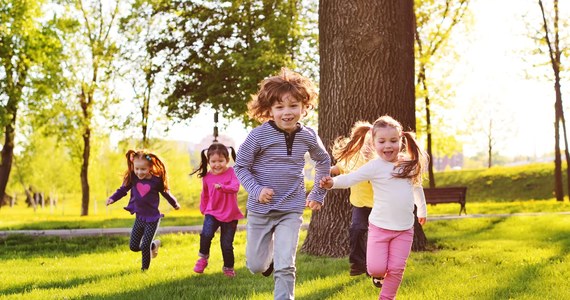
7	154
563	121
86	100
85	172
366	71
9	137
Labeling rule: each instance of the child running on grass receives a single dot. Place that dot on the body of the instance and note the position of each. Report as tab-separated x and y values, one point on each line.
360	194
270	165
396	182
145	178
218	204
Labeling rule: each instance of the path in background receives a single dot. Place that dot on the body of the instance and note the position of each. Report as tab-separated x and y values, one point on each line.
198	228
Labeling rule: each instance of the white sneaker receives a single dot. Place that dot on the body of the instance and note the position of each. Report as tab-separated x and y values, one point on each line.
154	248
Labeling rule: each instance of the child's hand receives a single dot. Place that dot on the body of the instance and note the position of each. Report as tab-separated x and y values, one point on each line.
326	182
422	221
217	186
109	201
266	195
335	171
313	205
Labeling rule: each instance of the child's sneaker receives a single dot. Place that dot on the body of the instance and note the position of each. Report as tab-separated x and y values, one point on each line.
201	264
378	281
154	248
229	272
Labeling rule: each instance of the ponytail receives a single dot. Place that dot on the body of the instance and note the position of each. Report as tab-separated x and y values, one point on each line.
203	168
215	148
413	167
157	167
344	149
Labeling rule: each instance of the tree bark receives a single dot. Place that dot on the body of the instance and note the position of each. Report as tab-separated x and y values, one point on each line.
86	103
555	54
7	150
366	71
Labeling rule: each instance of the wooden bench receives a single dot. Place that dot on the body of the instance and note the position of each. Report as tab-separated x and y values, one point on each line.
447	195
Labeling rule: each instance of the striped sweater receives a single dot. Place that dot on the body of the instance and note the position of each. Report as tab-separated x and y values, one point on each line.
270	157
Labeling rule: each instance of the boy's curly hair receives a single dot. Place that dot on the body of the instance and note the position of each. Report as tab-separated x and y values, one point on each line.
273	89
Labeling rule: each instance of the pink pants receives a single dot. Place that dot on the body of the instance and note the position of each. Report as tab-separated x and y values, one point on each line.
386	255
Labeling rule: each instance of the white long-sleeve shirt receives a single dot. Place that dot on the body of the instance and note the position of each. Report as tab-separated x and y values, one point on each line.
394	198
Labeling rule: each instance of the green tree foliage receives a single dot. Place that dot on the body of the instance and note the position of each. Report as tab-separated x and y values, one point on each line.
218	51
435	20
91	51
30	68
140	68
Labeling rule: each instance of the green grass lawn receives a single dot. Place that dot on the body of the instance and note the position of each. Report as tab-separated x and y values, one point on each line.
482	258
20	217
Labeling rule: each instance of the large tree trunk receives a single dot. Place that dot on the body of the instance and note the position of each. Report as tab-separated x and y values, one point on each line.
367	70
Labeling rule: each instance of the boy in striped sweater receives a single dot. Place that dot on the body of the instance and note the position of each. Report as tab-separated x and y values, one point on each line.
270	165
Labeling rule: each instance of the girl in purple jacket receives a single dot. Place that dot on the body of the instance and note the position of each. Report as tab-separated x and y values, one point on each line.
145	178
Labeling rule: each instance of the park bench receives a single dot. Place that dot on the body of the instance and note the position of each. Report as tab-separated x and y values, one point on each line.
447	195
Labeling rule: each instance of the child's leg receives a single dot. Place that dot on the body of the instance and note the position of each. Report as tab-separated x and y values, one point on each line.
286	241
136	235
150	229
259	242
228	232
209	228
357	237
400	247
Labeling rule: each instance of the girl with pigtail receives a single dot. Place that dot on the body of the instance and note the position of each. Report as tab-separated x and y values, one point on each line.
396	177
146	178
218	204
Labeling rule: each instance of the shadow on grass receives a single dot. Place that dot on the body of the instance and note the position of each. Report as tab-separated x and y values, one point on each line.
110	223
209	286
454	234
19	246
524	282
28	287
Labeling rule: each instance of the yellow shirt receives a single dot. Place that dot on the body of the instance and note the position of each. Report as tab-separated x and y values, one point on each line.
361	193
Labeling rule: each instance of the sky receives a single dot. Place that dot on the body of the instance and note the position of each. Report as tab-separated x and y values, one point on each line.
490	78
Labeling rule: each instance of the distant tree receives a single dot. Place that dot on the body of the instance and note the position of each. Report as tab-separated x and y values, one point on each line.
30	69
367	70
435	21
91	51
140	66
553	39
218	52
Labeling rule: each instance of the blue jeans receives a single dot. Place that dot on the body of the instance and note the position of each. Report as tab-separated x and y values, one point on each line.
274	236
228	231
358	233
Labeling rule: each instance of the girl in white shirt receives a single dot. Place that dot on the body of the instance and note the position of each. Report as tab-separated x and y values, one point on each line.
396	183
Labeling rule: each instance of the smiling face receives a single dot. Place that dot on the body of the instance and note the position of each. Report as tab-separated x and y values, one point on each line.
287	112
141	167
387	143
218	163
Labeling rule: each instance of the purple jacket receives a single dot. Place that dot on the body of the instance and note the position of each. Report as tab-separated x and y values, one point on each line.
144	197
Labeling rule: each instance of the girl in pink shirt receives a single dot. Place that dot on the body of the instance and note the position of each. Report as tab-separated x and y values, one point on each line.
218	204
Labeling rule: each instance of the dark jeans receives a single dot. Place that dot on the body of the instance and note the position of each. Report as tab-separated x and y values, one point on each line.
357	235
228	231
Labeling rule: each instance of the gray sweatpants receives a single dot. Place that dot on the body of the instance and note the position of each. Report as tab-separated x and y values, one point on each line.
274	236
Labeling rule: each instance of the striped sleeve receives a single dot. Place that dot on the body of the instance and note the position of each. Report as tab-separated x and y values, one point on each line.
322	161
244	163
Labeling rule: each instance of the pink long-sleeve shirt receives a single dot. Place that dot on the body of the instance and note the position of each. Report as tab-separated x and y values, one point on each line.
221	203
